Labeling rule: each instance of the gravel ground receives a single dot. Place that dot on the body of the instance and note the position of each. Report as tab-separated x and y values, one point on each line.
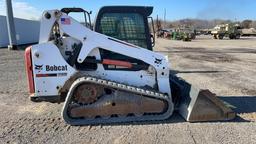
226	67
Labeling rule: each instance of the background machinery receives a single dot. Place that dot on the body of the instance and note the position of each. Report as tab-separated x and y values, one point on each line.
111	74
231	30
181	33
184	33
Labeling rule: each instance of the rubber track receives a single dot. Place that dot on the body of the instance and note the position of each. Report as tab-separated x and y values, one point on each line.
136	90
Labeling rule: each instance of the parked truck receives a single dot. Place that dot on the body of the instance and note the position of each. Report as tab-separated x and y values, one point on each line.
232	31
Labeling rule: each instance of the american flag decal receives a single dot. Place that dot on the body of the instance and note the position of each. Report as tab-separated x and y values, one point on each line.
65	21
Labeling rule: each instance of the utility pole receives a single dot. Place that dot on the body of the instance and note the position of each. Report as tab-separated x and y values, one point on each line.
10	26
157	23
164	17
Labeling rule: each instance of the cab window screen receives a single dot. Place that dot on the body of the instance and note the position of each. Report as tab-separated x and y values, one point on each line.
128	27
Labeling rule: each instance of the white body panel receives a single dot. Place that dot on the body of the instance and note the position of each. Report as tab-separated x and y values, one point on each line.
49	55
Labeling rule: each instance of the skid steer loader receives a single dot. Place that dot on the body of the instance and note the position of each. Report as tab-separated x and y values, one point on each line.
111	74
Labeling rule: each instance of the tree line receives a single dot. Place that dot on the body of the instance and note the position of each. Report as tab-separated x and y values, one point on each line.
202	24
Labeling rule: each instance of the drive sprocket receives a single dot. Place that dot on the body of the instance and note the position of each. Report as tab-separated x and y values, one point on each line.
87	93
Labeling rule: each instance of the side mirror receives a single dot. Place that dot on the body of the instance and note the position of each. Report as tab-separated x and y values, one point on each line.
152	35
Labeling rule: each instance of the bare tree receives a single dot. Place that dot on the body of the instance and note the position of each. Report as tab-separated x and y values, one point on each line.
246	24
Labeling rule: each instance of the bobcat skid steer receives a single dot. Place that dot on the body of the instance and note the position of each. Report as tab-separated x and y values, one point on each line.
110	74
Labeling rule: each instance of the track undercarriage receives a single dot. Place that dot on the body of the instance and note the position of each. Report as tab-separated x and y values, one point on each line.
93	101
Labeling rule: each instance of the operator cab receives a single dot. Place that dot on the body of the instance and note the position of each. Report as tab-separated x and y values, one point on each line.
126	23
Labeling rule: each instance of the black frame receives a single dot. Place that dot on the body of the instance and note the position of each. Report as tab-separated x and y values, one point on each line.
79	10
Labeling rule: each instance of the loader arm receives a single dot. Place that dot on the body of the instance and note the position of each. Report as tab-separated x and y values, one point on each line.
92	40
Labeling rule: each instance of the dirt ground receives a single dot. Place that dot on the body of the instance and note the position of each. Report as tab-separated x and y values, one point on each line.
226	67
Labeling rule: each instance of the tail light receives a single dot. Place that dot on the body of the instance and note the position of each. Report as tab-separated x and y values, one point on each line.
29	70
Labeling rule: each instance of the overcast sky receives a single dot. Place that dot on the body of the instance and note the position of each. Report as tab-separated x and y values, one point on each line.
175	9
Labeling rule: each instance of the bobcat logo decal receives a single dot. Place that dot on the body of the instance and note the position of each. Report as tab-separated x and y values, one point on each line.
39	67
